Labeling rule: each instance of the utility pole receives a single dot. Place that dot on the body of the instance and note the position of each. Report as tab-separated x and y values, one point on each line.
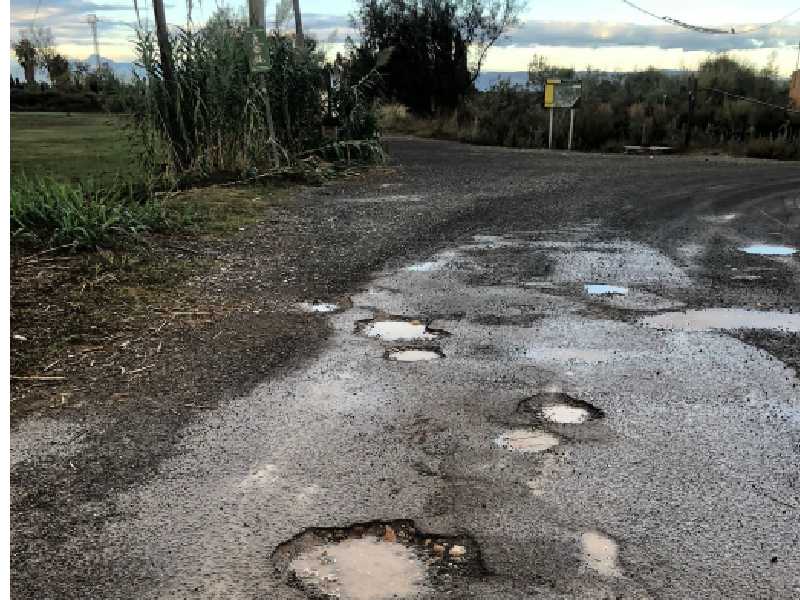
690	119
258	20
299	39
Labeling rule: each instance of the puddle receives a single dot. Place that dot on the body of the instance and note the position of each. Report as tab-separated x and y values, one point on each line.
395	328
362	569
724	318
577	355
726	218
430	265
565	414
375	560
320	307
558	407
596	289
600	553
769	250
526	440
414	354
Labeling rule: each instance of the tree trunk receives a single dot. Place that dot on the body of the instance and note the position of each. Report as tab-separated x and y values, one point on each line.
299	39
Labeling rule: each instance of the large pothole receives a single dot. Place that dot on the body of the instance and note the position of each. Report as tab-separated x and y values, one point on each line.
392	328
376	560
559	408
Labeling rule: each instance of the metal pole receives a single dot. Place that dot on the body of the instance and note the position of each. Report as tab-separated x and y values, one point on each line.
550	137
571	126
259	19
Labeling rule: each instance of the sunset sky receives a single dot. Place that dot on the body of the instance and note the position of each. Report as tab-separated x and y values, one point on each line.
606	34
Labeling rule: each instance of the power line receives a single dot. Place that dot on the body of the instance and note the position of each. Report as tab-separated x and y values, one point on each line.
750	100
708	30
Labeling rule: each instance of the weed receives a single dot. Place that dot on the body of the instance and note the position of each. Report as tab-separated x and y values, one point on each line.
46	212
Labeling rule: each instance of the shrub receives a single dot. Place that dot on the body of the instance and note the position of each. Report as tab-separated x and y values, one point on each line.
45	212
776	149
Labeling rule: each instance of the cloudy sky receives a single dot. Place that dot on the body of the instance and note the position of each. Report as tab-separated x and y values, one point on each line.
604	34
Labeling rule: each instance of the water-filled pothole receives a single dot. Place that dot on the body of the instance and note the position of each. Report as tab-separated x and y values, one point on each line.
558	407
375	560
600	553
724	318
318	307
565	414
413	354
398	328
602	289
526	440
769	249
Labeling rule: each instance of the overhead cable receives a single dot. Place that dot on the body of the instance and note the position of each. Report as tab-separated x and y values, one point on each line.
709	30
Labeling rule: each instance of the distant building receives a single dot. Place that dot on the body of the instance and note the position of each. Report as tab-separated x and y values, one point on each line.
794	89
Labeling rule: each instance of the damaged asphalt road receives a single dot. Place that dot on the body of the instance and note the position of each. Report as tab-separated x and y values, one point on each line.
518	435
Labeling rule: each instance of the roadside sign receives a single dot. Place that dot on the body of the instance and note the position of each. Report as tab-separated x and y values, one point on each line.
562	93
259	50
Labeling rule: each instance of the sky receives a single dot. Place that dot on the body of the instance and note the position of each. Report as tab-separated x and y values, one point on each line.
604	34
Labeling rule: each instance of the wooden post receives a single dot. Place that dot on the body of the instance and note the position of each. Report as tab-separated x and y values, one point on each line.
550	137
299	39
690	119
571	127
162	34
258	19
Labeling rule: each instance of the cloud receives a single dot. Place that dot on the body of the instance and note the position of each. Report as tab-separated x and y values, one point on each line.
596	34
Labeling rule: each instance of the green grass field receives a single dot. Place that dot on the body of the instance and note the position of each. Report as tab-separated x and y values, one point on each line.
71	147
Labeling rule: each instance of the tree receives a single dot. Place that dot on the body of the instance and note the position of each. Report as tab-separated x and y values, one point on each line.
430	42
27	58
57	69
540	70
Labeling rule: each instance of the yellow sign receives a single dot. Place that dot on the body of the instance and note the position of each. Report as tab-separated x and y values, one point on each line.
562	93
550	92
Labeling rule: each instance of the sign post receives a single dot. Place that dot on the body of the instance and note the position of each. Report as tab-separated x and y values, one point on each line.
571	127
562	93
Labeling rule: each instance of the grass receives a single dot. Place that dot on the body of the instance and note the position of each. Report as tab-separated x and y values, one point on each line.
49	213
71	147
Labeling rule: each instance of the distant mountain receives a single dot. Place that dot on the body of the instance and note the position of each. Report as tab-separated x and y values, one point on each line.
489	78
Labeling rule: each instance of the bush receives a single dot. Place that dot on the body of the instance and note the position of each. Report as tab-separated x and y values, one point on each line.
45	212
775	149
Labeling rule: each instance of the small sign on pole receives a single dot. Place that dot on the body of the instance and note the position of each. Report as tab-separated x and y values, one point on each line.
562	93
259	50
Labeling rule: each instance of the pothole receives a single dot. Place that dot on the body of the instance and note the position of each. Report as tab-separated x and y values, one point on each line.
413	354
565	414
602	289
398	328
526	440
318	307
724	318
600	553
769	249
377	560
726	218
561	408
